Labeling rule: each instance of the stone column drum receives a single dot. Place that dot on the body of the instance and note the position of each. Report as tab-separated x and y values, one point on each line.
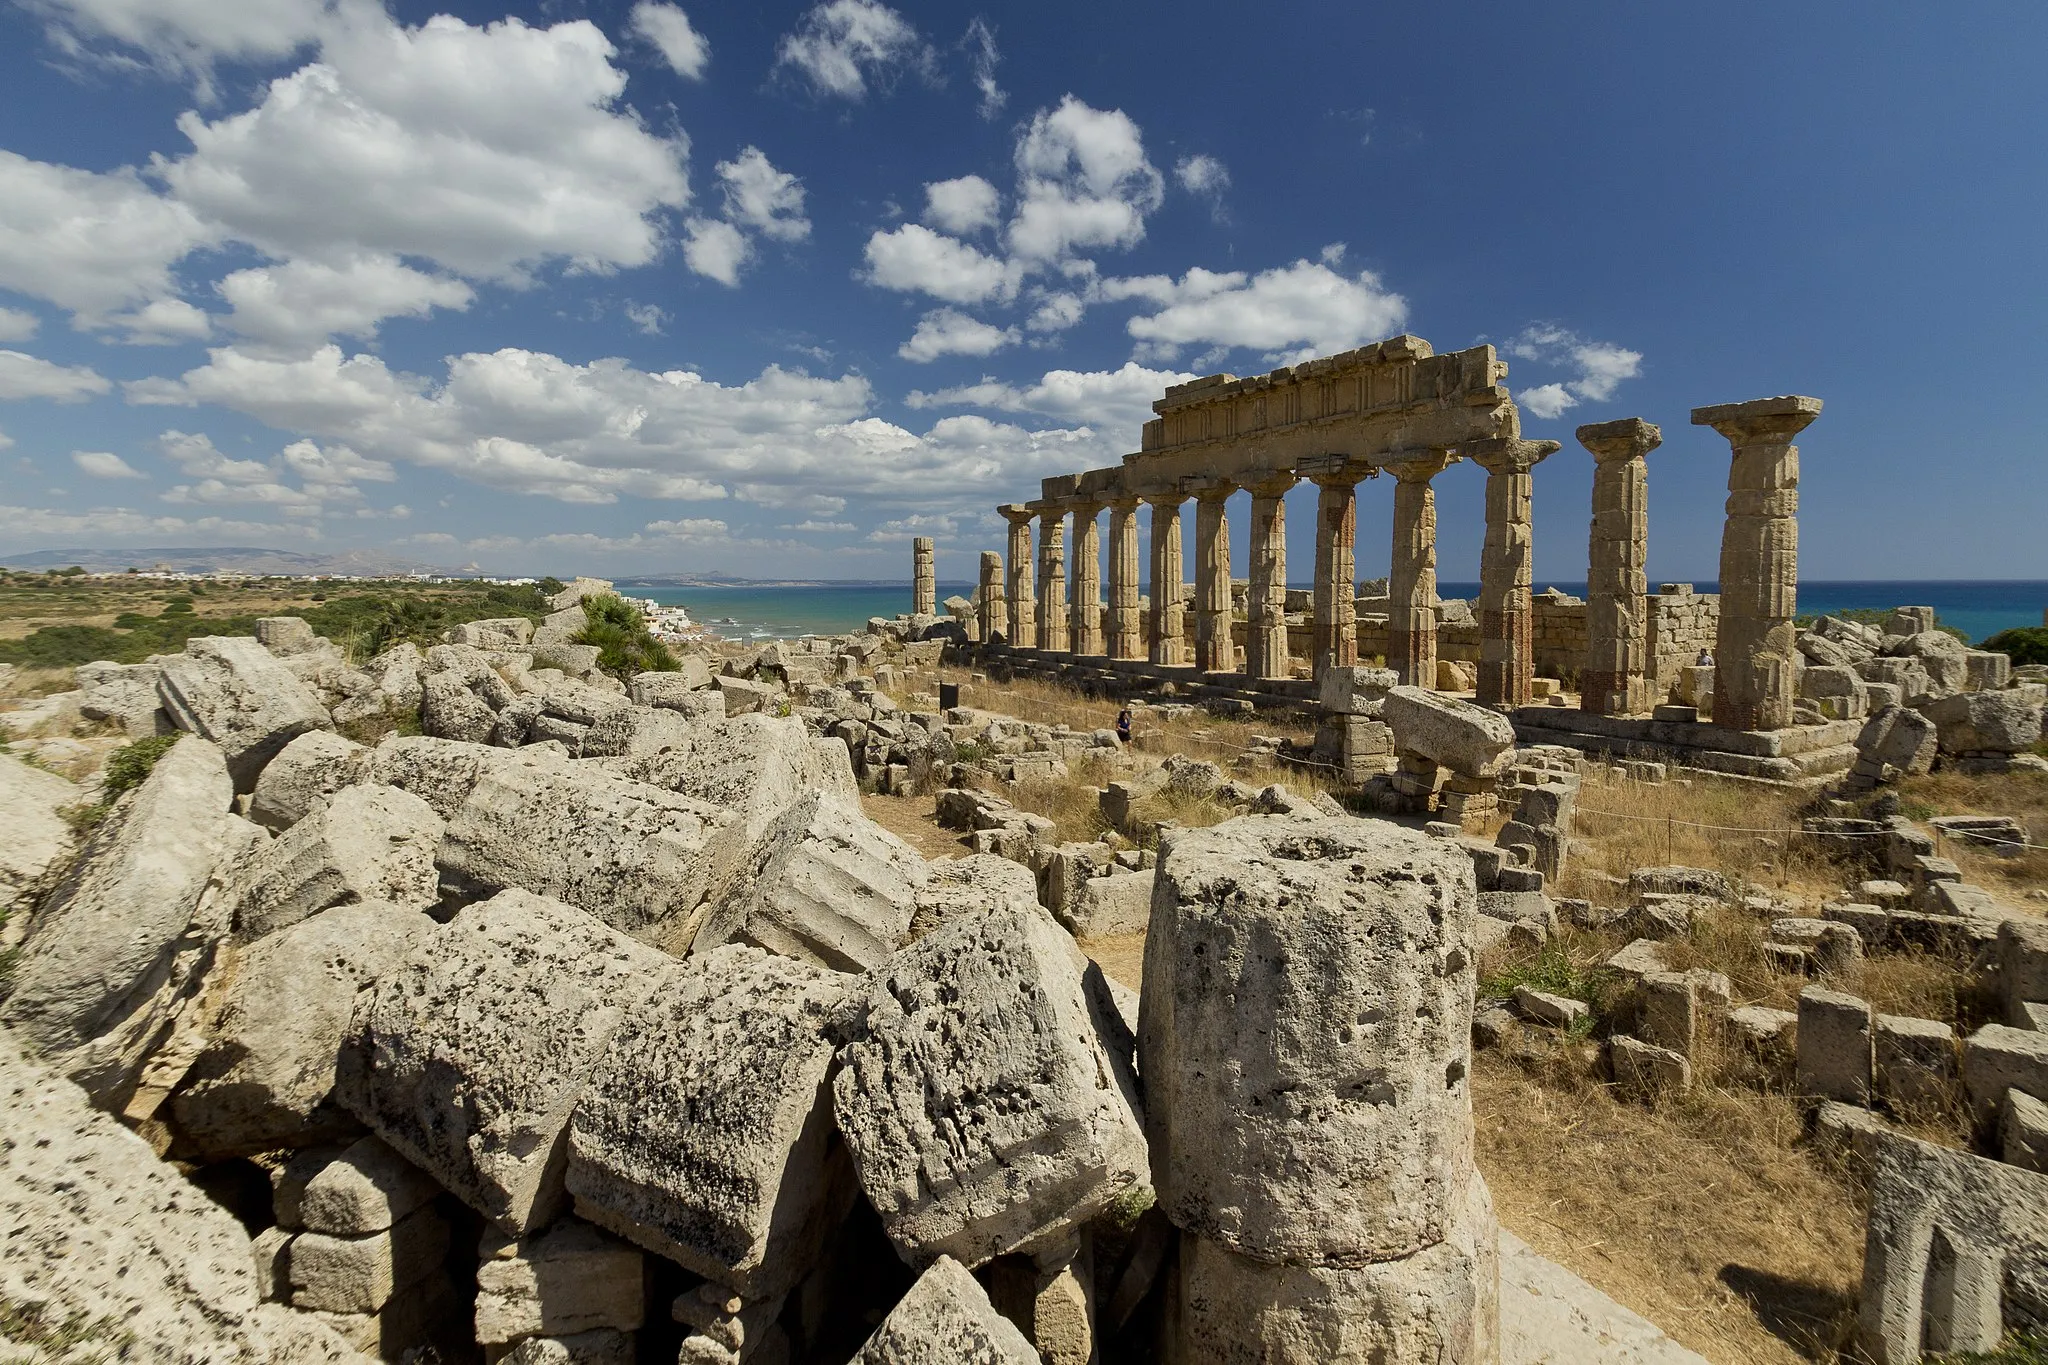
1126	627
1021	599
1756	654
924	578
1169	626
995	617
1506	627
1617	627
1411	584
1215	650
1336	593
1305	1037
1266	640
1085	611
1052	580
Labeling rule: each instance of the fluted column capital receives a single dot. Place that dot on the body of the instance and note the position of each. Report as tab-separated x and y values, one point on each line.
1761	421
1509	454
1419	466
1016	513
1629	438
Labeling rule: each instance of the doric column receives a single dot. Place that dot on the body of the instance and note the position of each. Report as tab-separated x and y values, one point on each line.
1126	629
1052	578
1169	637
994	613
924	578
1617	629
1411	584
1336	600
1021	599
1506	632
1756	657
1266	606
1215	651
1085	611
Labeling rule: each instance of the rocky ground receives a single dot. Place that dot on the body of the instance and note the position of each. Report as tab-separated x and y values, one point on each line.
473	1003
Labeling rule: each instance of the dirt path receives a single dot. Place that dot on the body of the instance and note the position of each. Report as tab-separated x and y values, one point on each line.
909	818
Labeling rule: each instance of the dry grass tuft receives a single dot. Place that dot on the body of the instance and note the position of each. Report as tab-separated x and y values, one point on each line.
2022	795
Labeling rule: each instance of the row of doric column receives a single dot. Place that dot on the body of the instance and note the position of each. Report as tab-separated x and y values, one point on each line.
1756	678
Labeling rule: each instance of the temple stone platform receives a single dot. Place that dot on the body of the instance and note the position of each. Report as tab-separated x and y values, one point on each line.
1797	753
1141	678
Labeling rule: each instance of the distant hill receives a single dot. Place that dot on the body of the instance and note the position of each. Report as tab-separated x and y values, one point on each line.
724	580
247	559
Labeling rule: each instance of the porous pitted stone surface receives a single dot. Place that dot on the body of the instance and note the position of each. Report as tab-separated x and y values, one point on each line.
984	1093
364	843
631	854
37	835
1305	1037
706	1132
265	1076
306	771
825	884
124	928
106	1237
1465	738
232	691
469	1055
946	1319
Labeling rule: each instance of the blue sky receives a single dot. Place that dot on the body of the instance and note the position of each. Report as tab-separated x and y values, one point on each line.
769	288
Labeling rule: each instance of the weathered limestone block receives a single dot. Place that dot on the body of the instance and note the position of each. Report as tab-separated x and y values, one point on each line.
745	696
332	1274
964	886
443	772
129	931
366	1189
826	885
997	1003
2022	967
756	765
706	1135
728	1330
1113	905
1456	734
2023	1131
1645	1071
364	843
311	768
1835	1049
1914	1063
230	690
99	1229
601	1347
468	1056
633	731
263	1080
451	709
500	632
633	855
946	1317
570	1279
1997	1058
123	693
1986	722
1305	1037
1955	1253
690	675
1439	1306
283	635
1356	690
37	835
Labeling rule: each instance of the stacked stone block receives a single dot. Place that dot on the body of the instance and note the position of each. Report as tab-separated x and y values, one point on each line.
924	579
1612	682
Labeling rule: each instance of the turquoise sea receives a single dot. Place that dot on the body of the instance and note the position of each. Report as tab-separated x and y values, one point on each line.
1979	609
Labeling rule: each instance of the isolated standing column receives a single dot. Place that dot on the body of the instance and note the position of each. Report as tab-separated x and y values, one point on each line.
1022	596
1052	579
1085	612
1266	607
1506	569
994	615
1215	651
1411	584
1126	630
1169	627
1756	654
1617	626
924	578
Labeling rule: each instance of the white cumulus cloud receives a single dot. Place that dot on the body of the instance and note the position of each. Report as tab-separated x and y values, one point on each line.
303	302
981	51
1601	367
185	37
947	331
1083	181
843	47
17	324
1115	402
914	259
668	29
715	248
760	197
1291	312
963	205
26	376
104	464
89	242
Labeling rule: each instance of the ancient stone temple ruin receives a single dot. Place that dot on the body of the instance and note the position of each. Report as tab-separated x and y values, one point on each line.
1398	408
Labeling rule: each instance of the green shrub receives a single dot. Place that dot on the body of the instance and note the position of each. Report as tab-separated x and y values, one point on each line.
2021	1348
624	646
549	586
131	764
2026	644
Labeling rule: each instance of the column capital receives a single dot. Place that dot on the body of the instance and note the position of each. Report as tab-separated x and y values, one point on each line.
1270	483
1509	454
1124	502
1207	488
1418	466
1761	420
1016	513
1628	438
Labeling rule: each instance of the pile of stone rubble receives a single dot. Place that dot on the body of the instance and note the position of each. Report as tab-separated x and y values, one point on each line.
597	1023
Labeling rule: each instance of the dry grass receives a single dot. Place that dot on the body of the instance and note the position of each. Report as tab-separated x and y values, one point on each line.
2022	795
28	683
1700	1215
